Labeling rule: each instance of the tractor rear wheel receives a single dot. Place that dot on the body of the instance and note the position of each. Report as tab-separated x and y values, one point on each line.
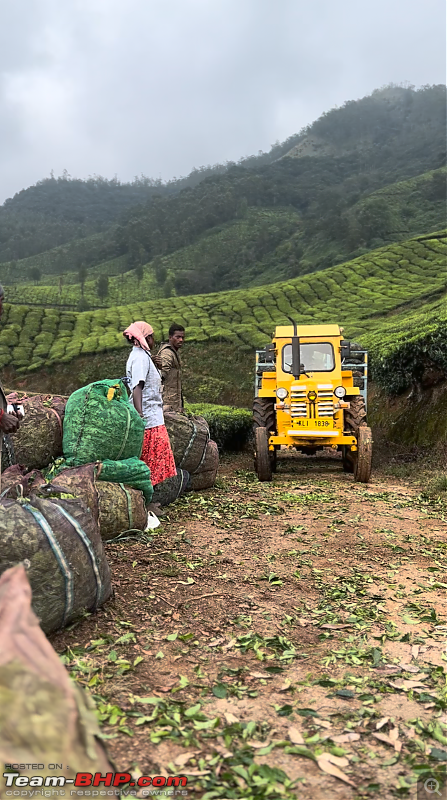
263	465
359	461
355	416
264	417
264	414
363	455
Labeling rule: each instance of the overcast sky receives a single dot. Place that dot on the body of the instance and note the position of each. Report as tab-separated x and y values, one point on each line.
124	87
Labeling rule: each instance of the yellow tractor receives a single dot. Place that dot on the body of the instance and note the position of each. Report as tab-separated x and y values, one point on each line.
310	393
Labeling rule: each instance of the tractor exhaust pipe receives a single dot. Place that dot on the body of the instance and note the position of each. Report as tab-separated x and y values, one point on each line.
296	355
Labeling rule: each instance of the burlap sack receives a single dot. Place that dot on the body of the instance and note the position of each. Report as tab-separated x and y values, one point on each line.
45	718
205	476
60	542
39	438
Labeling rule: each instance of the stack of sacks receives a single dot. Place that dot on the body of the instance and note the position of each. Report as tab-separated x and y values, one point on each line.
194	453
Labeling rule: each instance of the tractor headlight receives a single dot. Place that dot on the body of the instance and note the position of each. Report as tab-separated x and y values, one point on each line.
281	393
340	392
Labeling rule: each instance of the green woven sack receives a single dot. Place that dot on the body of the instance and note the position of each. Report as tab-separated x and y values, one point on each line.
131	472
100	423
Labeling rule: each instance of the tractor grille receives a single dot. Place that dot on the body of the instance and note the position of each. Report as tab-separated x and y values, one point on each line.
323	406
325	400
298	405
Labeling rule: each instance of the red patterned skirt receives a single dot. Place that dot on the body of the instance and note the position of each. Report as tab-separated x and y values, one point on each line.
157	454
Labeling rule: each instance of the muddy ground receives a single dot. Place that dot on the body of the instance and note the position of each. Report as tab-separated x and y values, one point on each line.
277	640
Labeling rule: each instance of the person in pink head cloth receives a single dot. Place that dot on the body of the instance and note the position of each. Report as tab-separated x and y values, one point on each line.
145	385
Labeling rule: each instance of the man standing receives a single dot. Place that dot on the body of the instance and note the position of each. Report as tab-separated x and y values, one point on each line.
170	366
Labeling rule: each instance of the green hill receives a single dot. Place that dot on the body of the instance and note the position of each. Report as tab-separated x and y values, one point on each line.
391	298
219	256
263	245
276	216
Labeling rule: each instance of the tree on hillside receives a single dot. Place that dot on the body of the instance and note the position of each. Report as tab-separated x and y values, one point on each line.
160	271
35	274
438	185
375	219
168	287
139	273
83	305
82	275
102	287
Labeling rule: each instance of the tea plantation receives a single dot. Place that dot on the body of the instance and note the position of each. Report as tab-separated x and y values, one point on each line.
364	295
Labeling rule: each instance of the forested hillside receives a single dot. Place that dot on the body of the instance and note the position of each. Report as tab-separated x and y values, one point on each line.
361	176
58	210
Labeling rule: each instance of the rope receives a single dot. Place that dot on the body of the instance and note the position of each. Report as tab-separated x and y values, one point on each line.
183	479
126	434
8	451
203	455
191	442
88	546
60	558
129	504
58	418
81	427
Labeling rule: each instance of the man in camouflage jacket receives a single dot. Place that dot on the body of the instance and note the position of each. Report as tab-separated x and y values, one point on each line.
170	366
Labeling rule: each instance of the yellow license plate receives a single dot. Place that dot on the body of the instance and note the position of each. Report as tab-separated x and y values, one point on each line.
314	423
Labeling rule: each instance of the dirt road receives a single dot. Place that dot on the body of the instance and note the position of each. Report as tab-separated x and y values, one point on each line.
281	640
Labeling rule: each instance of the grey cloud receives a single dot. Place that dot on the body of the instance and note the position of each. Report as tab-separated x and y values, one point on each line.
161	86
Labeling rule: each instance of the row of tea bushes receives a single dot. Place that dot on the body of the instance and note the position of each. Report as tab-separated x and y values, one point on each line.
356	295
407	346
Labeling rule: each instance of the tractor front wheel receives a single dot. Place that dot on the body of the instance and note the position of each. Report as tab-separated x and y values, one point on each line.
263	464
363	455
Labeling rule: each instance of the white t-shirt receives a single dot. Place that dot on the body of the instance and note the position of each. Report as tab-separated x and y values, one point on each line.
140	367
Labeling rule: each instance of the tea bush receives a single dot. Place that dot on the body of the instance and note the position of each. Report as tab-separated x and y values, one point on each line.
230	427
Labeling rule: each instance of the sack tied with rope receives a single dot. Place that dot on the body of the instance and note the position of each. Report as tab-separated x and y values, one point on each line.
39	438
116	507
59	541
205	476
101	424
189	437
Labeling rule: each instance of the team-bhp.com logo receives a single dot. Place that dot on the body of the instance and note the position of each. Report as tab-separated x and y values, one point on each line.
17	785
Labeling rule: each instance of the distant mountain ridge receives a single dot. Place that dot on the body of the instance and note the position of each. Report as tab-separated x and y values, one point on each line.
323	196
